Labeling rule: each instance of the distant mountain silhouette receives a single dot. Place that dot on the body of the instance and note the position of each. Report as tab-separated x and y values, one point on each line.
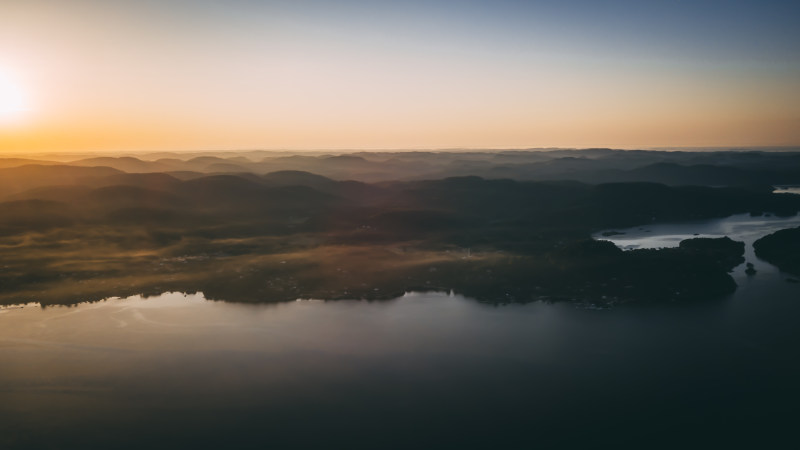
22	178
728	168
124	163
16	162
298	178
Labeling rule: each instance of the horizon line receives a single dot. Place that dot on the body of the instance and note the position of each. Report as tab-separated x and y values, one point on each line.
734	148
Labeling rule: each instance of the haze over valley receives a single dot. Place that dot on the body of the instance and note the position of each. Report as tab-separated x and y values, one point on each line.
368	226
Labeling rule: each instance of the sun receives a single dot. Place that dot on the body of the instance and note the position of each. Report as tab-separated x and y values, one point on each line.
13	101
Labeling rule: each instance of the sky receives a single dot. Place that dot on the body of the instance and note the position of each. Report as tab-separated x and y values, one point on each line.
111	75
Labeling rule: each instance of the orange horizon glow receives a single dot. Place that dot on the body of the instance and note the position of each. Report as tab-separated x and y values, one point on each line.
119	80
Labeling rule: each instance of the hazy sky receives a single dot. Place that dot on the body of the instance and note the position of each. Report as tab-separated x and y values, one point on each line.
203	74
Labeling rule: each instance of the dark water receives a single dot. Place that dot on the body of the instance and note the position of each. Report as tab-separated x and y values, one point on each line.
422	371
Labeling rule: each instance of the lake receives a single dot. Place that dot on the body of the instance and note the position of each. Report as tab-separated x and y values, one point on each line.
427	370
739	227
787	189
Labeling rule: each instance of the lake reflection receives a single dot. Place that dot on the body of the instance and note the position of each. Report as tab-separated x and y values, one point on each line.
739	227
787	190
422	371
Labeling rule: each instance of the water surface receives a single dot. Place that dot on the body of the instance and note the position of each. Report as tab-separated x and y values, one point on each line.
787	190
422	371
739	227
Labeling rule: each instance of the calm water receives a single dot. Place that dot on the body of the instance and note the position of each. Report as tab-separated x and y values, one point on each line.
787	189
740	227
422	371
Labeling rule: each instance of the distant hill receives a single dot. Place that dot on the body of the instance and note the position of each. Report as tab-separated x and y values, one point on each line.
225	168
596	166
125	164
16	162
297	178
23	178
707	175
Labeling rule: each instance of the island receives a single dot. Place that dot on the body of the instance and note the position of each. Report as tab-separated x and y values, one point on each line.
782	249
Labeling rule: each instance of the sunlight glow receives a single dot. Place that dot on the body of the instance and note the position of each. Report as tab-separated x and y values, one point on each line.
13	101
